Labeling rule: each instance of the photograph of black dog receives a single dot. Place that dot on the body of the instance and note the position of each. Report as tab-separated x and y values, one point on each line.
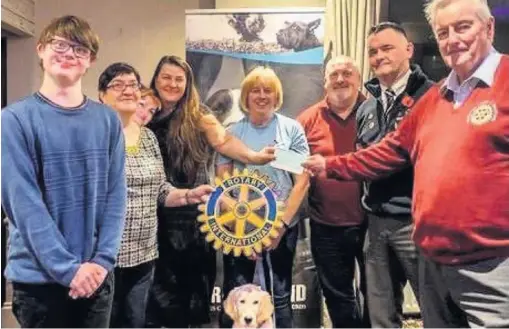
258	33
299	36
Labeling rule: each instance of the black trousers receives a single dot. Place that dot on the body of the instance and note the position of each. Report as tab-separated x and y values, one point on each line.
132	285
184	276
49	306
335	251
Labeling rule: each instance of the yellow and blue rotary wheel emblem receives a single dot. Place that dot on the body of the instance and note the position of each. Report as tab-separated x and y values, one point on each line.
242	214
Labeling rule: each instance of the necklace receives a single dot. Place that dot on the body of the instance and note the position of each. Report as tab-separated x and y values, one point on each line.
132	149
135	148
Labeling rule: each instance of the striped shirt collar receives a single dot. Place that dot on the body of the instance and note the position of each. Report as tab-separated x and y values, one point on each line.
399	86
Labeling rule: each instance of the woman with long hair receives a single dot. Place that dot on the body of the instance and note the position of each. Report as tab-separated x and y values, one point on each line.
188	135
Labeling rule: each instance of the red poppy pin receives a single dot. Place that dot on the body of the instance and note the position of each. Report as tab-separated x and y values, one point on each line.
407	101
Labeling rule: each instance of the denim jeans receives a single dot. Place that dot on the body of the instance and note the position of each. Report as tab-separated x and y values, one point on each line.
132	285
49	306
335	251
240	270
391	261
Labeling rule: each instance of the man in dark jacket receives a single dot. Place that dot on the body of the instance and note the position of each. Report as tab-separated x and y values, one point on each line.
391	257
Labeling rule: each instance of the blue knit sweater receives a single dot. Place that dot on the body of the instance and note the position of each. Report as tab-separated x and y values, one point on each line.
63	188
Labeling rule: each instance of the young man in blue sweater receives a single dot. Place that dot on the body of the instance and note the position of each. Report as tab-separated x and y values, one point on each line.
63	188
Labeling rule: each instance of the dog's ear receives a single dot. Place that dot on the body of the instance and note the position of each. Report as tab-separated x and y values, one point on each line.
314	24
229	305
266	308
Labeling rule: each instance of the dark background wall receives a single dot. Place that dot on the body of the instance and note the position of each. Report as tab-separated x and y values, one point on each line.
410	14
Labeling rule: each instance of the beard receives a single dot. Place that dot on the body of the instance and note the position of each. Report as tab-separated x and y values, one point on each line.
340	96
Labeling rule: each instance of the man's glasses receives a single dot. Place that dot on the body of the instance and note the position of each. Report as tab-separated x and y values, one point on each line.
61	46
121	86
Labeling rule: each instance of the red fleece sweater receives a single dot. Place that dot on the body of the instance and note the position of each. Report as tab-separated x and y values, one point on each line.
332	202
461	171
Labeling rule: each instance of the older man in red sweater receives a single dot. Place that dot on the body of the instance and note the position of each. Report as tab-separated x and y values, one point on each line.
457	138
337	221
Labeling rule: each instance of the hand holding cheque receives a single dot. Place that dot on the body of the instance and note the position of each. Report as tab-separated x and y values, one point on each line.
314	164
296	163
289	160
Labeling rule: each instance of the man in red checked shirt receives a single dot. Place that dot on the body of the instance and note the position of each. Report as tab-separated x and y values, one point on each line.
457	138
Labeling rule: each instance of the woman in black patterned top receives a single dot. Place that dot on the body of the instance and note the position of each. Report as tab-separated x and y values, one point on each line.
119	87
188	135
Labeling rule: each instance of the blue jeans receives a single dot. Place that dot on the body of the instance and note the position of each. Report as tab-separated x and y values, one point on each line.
240	270
49	306
132	285
335	251
391	261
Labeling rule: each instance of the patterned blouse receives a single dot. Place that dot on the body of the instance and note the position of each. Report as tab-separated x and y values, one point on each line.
146	186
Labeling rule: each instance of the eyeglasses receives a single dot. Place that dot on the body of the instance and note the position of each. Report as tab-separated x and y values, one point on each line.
121	86
61	46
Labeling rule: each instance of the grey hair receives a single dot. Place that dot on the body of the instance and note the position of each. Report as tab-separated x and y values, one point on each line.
341	59
431	8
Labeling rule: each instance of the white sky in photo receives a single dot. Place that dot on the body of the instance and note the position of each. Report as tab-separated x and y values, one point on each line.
216	27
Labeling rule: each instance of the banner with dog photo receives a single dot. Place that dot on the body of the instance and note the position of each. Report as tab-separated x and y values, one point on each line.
222	46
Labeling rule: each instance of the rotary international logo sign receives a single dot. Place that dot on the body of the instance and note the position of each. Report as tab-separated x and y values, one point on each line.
482	114
242	214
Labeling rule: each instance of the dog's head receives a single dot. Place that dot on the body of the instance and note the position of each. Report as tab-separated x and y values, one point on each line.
296	34
249	306
224	104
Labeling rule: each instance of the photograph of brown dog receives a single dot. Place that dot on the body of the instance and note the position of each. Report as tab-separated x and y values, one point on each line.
249	307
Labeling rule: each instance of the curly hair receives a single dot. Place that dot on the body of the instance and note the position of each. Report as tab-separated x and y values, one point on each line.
189	146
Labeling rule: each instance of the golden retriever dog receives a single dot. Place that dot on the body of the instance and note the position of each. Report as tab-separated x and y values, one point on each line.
249	307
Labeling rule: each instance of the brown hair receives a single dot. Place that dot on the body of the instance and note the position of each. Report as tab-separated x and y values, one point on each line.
190	148
74	29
